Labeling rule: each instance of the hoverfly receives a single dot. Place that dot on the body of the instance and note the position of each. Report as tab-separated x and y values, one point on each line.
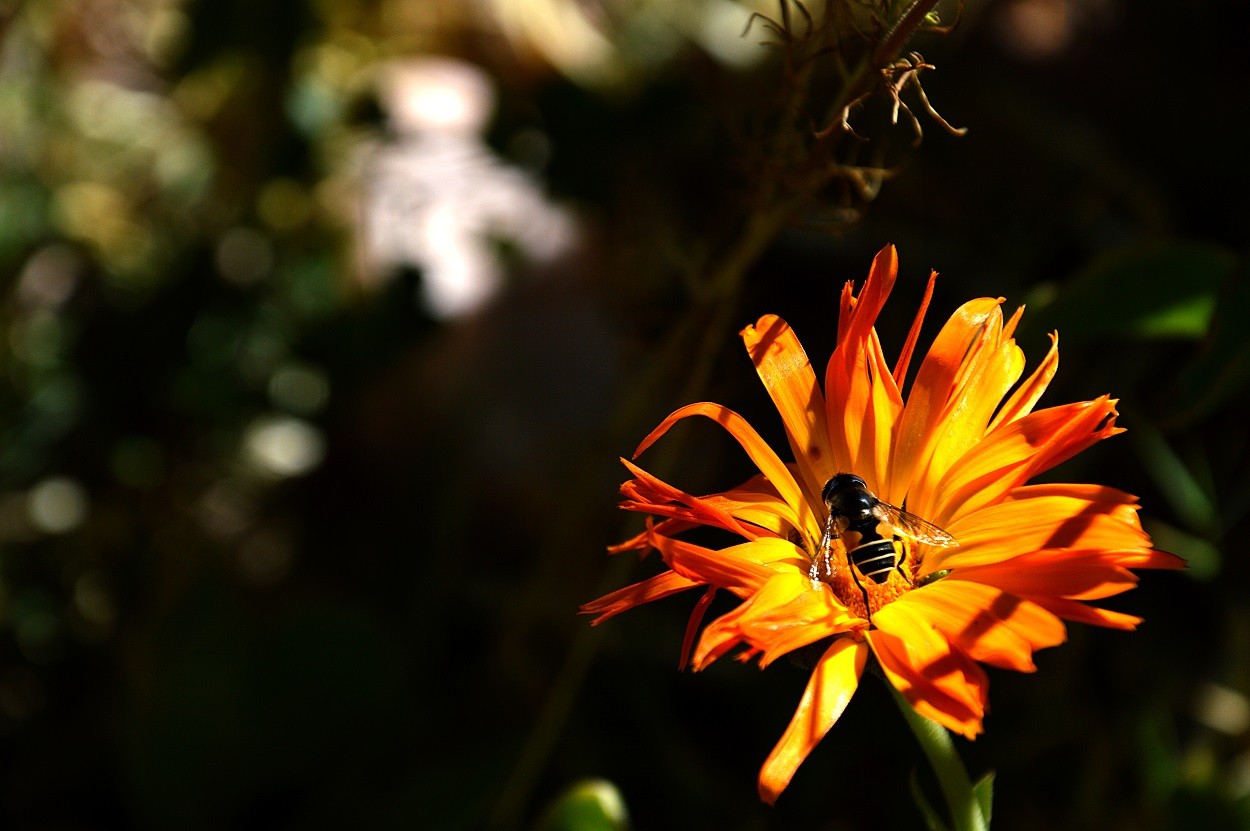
852	507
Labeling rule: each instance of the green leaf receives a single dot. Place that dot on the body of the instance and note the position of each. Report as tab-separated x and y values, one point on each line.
1160	290
1191	502
1221	368
589	805
983	790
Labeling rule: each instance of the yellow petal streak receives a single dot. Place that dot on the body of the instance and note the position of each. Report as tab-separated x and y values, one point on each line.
932	389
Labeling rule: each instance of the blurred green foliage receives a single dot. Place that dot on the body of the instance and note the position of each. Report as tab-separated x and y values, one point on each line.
593	805
283	546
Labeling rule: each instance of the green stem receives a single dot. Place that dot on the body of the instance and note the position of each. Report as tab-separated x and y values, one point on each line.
965	809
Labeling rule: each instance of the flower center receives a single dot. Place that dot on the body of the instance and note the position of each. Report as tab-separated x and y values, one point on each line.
862	594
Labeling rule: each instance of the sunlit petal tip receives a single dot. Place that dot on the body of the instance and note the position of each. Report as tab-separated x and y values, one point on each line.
1158	558
885	264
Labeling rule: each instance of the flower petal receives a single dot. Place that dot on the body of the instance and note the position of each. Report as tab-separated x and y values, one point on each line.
1037	518
728	568
965	419
800	512
1076	574
693	624
653	495
789	614
936	678
787	374
1013	452
829	690
1081	613
861	398
784	615
1022	400
935	383
989	624
754	503
653	588
878	423
913	334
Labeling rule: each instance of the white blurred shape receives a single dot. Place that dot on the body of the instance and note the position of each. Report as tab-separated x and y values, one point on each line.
57	505
436	198
719	31
437	94
283	446
1222	708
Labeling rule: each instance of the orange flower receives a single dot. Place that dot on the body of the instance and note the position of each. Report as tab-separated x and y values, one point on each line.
956	454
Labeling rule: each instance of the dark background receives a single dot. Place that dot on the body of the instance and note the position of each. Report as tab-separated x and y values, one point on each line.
384	633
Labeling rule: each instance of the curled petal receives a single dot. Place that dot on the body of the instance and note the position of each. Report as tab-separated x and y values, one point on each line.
692	626
1026	396
861	398
653	588
653	495
762	509
799	514
828	691
789	614
785	614
642	540
859	315
736	568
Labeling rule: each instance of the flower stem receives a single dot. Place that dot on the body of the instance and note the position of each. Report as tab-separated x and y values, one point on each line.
966	810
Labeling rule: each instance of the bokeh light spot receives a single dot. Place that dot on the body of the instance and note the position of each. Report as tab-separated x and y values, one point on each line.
57	505
284	446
